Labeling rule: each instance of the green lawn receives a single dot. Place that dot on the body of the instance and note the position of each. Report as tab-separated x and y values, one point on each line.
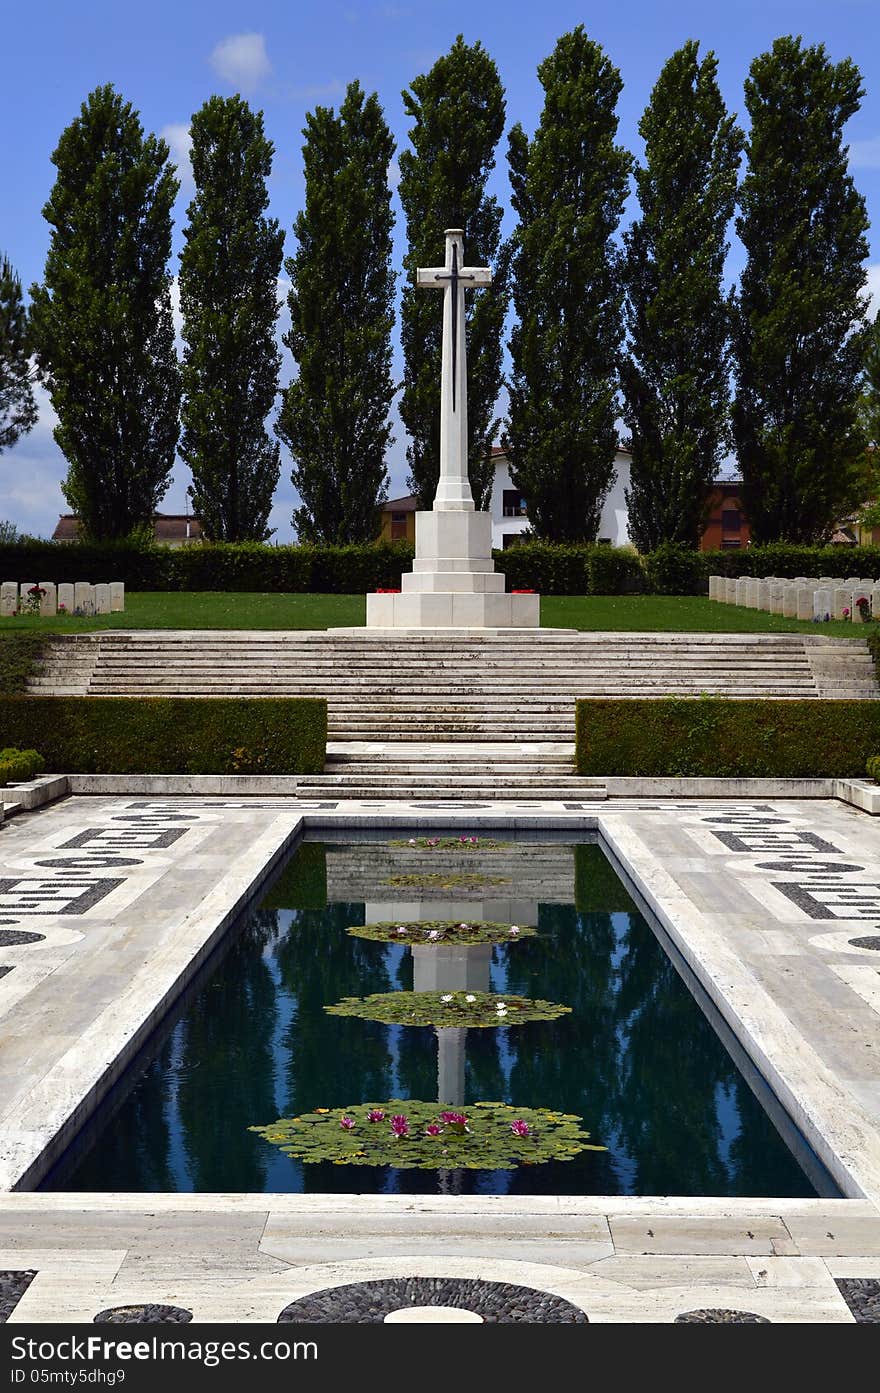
230	610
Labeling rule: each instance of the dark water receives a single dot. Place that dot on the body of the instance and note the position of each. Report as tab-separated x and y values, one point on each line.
636	1059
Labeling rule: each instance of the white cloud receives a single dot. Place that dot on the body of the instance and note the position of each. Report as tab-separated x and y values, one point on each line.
865	154
31	474
393	175
178	138
873	287
242	60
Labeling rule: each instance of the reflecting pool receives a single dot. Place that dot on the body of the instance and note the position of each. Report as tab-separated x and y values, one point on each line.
251	1042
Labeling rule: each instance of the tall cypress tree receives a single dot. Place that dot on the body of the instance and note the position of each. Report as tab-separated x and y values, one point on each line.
101	320
869	401
569	187
229	298
458	117
18	410
334	416
675	379
799	316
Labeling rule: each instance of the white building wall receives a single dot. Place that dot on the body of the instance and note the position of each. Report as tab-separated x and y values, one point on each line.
614	523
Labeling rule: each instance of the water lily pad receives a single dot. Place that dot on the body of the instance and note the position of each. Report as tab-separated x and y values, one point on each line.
462	1008
428	931
481	1136
469	844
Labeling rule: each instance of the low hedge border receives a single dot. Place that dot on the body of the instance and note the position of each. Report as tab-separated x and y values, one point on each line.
17	766
677	737
19	655
170	735
550	568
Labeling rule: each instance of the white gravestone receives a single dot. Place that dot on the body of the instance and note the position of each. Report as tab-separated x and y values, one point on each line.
117	596
855	613
8	598
48	602
777	596
789	600
823	602
84	597
25	599
102	599
729	590
453	582
753	593
764	592
66	597
805	597
741	591
713	587
841	600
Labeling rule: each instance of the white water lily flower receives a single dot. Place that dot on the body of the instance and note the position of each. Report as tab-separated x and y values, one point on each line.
470	997
446	998
514	929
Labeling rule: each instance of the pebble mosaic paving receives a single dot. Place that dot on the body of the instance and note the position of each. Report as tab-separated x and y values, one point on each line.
106	902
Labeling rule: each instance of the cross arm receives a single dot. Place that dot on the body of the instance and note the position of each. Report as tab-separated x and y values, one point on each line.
426	277
476	275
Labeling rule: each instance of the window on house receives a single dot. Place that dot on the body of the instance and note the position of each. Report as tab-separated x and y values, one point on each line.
730	543
731	520
513	504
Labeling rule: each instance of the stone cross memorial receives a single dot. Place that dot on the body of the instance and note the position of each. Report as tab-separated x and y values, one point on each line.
453	583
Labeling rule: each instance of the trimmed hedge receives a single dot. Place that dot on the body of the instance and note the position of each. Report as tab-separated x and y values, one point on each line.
550	568
19	654
17	766
723	738
171	735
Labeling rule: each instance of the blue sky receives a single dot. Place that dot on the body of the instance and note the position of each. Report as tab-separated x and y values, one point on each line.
286	58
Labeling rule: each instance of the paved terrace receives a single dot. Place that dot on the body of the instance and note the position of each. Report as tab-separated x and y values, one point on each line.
128	894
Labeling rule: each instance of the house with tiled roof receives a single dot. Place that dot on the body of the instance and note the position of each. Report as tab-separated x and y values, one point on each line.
169	529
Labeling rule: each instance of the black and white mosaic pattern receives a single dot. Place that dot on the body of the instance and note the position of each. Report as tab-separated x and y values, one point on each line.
368	1303
16	938
13	1286
862	1296
824	888
148	1314
719	1315
72	879
4	969
869	941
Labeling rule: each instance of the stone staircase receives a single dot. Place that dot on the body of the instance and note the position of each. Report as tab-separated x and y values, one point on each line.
452	715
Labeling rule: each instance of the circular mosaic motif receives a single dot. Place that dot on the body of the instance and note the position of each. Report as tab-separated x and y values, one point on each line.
862	1296
147	1314
368	1303
717	1315
13	938
870	941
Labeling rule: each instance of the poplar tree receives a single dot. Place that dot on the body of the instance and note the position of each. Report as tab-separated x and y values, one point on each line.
18	409
569	187
229	300
869	401
457	109
334	416
101	320
799	316
675	377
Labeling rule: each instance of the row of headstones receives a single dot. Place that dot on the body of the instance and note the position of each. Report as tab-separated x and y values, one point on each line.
67	598
803	597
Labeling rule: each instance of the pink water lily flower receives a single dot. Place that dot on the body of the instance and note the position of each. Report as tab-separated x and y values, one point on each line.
464	926
514	929
520	1128
401	928
454	1119
433	934
346	1123
376	1115
400	1125
433	1129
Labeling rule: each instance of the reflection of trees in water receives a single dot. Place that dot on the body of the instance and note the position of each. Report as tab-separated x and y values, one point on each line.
671	1071
134	1150
225	1043
328	1061
571	1064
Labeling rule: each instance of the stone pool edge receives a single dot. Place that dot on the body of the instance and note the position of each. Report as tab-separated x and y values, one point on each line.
803	1094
